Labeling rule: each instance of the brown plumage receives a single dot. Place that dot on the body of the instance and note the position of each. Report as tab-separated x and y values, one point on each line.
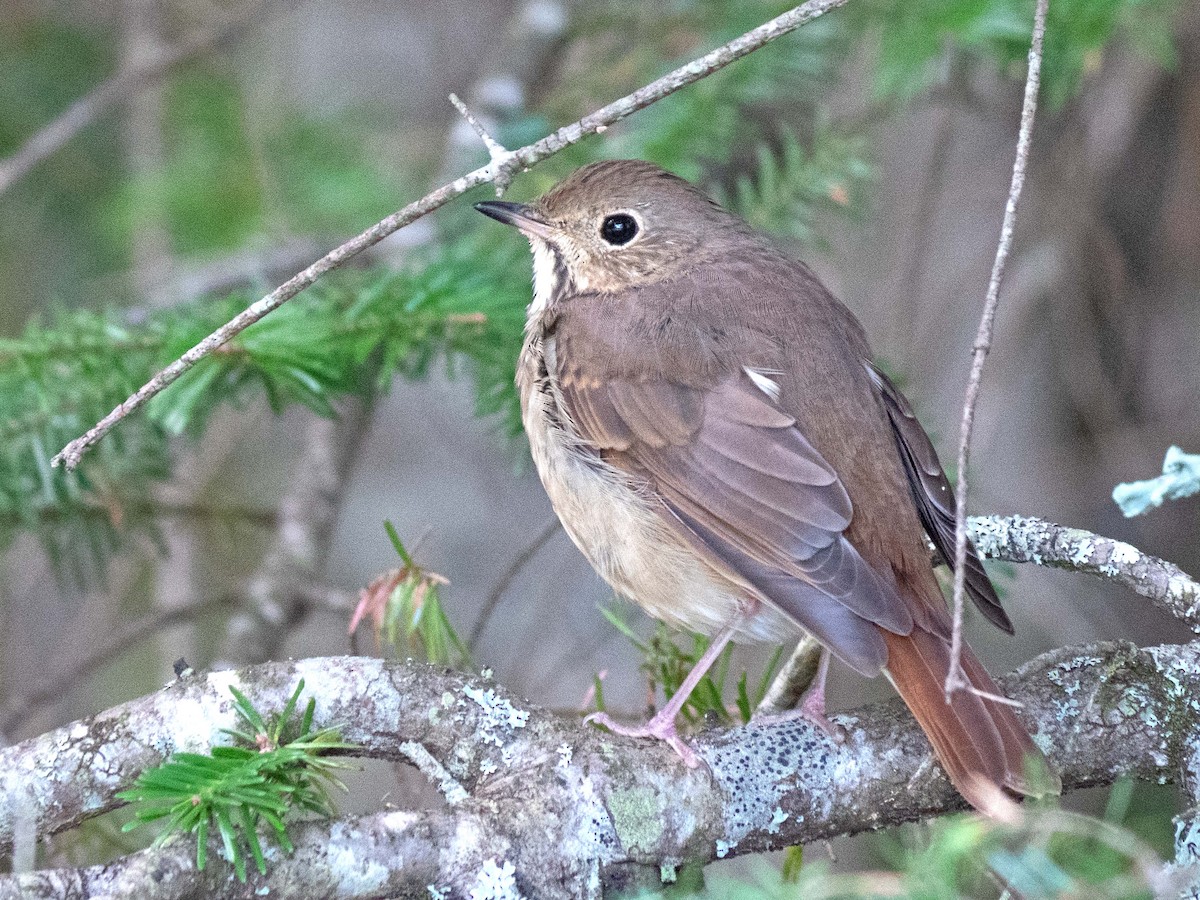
711	430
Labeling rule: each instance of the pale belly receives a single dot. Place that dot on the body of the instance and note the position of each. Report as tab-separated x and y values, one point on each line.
628	543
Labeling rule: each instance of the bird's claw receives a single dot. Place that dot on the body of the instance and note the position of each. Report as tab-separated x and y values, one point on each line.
659	728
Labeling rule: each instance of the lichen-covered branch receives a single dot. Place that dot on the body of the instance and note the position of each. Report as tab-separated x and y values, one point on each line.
555	809
1186	866
1024	539
1180	478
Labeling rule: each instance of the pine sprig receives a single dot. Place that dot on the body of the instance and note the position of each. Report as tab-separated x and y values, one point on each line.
351	336
793	183
406	608
281	765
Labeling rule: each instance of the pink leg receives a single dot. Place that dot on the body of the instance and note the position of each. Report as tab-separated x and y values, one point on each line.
812	705
662	726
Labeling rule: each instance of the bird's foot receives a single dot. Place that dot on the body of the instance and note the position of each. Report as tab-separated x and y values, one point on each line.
811	709
661	727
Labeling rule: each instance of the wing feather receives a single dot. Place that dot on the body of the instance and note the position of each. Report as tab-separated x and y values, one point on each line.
742	484
934	498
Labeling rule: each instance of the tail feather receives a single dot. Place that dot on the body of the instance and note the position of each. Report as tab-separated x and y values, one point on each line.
980	742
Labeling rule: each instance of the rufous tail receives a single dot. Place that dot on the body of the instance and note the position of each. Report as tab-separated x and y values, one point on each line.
981	743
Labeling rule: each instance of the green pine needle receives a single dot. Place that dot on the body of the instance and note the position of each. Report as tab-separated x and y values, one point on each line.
282	765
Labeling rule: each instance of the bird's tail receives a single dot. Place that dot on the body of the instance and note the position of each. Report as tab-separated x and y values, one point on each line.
980	742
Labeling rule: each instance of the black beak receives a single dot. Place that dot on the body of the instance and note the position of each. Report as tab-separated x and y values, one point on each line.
516	214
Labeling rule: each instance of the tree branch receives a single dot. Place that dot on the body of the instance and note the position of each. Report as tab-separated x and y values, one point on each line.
1023	539
561	807
955	680
121	86
525	157
519	562
277	599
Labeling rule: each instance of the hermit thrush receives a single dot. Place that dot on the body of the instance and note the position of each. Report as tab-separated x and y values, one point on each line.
715	438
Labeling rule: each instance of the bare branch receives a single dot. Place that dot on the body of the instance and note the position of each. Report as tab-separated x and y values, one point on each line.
278	597
437	774
793	679
955	679
503	159
127	82
523	158
520	561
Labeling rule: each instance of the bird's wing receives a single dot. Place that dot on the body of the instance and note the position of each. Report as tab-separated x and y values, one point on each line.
934	498
741	483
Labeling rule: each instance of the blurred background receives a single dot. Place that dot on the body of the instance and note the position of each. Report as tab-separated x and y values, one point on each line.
202	152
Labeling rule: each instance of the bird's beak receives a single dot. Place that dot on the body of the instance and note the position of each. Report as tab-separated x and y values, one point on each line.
516	214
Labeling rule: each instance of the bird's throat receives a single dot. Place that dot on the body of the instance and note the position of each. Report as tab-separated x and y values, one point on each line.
551	278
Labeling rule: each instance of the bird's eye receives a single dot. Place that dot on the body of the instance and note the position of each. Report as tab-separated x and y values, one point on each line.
619	228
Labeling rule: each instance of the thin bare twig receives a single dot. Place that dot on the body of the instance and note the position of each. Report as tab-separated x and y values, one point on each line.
127	82
502	157
523	158
955	680
793	679
18	709
520	561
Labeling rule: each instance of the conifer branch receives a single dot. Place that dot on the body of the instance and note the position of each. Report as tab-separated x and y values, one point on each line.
525	157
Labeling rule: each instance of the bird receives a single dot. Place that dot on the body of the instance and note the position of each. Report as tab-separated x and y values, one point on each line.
715	437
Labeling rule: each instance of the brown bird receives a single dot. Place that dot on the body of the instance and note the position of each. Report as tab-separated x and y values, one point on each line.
715	438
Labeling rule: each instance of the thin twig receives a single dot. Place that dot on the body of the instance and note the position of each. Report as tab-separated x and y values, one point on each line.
124	84
429	766
793	679
520	561
955	679
18	709
502	157
523	158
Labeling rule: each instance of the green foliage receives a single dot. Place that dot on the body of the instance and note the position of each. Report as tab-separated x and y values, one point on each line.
667	664
281	765
914	37
217	190
328	185
353	334
406	608
792	185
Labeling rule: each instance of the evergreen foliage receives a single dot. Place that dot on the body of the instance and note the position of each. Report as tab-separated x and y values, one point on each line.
281	765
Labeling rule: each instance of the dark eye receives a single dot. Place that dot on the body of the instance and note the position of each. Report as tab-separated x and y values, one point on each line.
619	228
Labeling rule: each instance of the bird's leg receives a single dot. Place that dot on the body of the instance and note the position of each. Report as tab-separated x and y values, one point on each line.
662	726
812	704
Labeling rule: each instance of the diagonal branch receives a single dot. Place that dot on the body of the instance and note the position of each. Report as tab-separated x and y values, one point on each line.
519	562
983	342
121	86
525	157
